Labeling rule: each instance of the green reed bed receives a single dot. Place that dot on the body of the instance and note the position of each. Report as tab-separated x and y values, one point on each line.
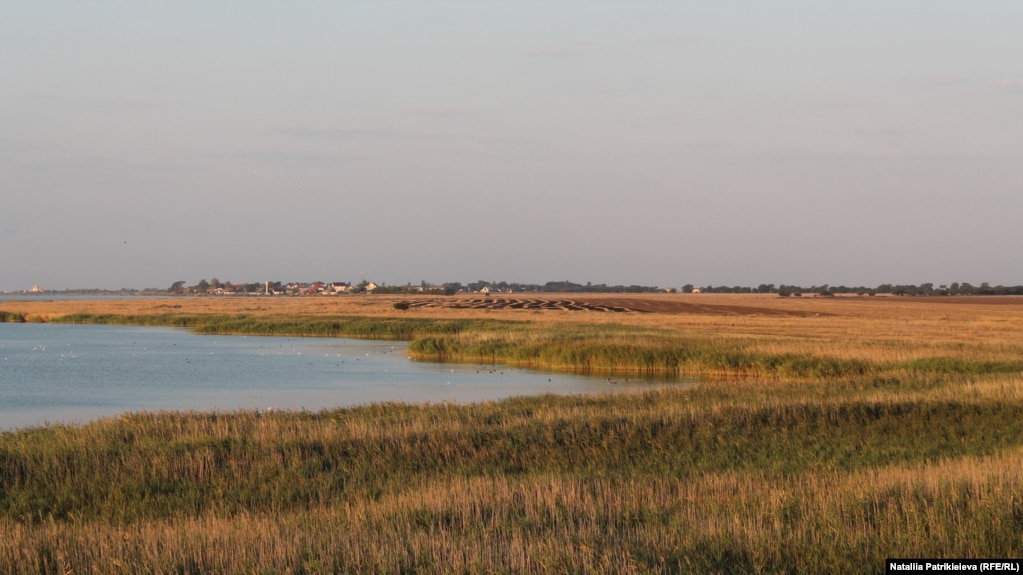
959	366
12	317
628	349
721	477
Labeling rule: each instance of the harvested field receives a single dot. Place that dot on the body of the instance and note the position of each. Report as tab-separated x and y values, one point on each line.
610	304
762	314
520	303
938	320
372	305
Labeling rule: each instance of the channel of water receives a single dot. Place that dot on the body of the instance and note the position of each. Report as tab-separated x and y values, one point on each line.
55	373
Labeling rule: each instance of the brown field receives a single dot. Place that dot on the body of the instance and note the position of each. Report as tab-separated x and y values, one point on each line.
516	304
977	319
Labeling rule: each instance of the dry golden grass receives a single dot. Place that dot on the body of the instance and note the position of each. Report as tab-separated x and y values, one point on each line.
741	475
732	521
951	319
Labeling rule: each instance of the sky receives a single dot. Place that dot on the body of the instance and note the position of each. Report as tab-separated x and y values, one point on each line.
641	142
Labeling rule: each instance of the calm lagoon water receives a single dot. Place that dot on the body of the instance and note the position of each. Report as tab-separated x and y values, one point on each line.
73	373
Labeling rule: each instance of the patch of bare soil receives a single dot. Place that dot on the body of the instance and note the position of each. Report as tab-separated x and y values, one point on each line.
600	304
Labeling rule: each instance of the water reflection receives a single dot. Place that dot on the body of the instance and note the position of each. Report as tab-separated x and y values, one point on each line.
51	373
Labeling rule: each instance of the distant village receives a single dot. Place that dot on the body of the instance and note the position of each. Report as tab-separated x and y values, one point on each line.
319	288
215	287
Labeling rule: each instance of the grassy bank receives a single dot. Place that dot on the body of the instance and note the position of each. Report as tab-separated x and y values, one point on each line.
394	328
722	477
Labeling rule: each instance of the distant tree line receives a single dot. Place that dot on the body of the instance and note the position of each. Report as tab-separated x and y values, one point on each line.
925	289
452	288
216	286
563	286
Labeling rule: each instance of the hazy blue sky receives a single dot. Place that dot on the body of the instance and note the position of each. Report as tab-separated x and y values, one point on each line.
658	143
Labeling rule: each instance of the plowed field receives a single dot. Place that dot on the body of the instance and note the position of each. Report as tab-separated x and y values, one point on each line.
610	304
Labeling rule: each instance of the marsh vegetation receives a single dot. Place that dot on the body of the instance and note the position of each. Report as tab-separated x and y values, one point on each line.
816	443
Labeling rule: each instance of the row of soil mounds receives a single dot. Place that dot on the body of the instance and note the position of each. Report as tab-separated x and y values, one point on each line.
596	304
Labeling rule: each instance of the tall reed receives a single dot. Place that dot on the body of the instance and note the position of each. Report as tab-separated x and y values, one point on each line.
719	477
